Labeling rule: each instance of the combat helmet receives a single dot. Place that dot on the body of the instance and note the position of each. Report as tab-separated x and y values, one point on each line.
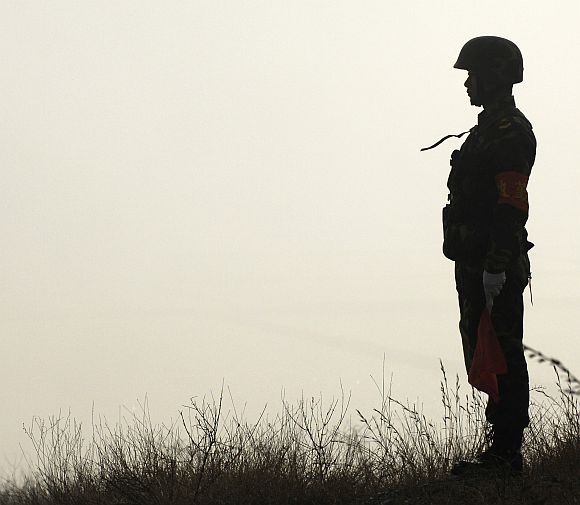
496	58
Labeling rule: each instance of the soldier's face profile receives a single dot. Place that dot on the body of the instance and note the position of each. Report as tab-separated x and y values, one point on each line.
472	88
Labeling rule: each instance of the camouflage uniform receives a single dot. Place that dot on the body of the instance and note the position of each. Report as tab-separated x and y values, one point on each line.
484	228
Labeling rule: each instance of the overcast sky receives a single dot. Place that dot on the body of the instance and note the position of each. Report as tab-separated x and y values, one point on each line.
197	191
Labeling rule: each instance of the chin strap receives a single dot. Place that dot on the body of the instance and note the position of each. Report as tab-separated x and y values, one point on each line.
444	139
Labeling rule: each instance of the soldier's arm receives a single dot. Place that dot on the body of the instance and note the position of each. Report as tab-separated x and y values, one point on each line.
513	159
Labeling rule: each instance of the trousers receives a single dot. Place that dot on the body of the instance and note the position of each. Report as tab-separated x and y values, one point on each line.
507	315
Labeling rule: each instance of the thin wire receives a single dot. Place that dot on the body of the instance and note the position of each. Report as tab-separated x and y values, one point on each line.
444	139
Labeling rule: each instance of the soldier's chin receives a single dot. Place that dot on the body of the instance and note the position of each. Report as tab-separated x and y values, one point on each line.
474	100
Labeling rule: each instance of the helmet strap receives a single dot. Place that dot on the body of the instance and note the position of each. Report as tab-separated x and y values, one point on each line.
489	91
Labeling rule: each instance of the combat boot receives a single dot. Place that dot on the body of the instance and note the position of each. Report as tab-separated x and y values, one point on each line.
491	462
504	457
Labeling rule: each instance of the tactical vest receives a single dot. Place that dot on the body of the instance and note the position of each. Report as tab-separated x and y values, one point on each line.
473	193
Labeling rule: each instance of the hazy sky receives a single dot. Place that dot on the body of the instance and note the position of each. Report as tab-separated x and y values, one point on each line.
197	191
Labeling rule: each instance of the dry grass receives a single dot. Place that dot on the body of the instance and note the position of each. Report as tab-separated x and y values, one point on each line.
310	453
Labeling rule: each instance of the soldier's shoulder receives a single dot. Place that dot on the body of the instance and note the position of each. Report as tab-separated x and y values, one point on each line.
513	124
513	119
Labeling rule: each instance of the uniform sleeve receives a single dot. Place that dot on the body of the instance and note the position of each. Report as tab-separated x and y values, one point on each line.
514	154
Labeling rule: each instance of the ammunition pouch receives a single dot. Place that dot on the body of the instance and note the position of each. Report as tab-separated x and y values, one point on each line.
462	241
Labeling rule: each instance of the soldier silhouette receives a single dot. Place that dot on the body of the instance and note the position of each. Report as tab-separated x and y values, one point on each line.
485	235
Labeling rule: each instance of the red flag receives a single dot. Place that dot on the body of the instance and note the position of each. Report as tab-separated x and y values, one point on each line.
488	359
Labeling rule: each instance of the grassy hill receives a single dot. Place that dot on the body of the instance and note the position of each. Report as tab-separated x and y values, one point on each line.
309	453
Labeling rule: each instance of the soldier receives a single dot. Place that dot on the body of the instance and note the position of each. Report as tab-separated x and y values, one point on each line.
485	235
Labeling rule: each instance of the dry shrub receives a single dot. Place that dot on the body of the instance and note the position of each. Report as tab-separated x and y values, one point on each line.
311	452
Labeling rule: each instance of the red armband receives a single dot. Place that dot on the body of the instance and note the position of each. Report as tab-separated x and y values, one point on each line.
511	187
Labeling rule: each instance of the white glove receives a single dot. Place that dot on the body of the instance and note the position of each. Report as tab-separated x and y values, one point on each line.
492	284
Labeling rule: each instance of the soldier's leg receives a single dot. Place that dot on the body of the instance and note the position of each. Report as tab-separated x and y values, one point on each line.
469	284
510	415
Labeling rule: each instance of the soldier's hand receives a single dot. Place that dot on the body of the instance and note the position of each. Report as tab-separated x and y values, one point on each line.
492	284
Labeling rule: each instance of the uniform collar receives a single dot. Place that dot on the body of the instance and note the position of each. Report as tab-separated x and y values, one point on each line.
495	111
